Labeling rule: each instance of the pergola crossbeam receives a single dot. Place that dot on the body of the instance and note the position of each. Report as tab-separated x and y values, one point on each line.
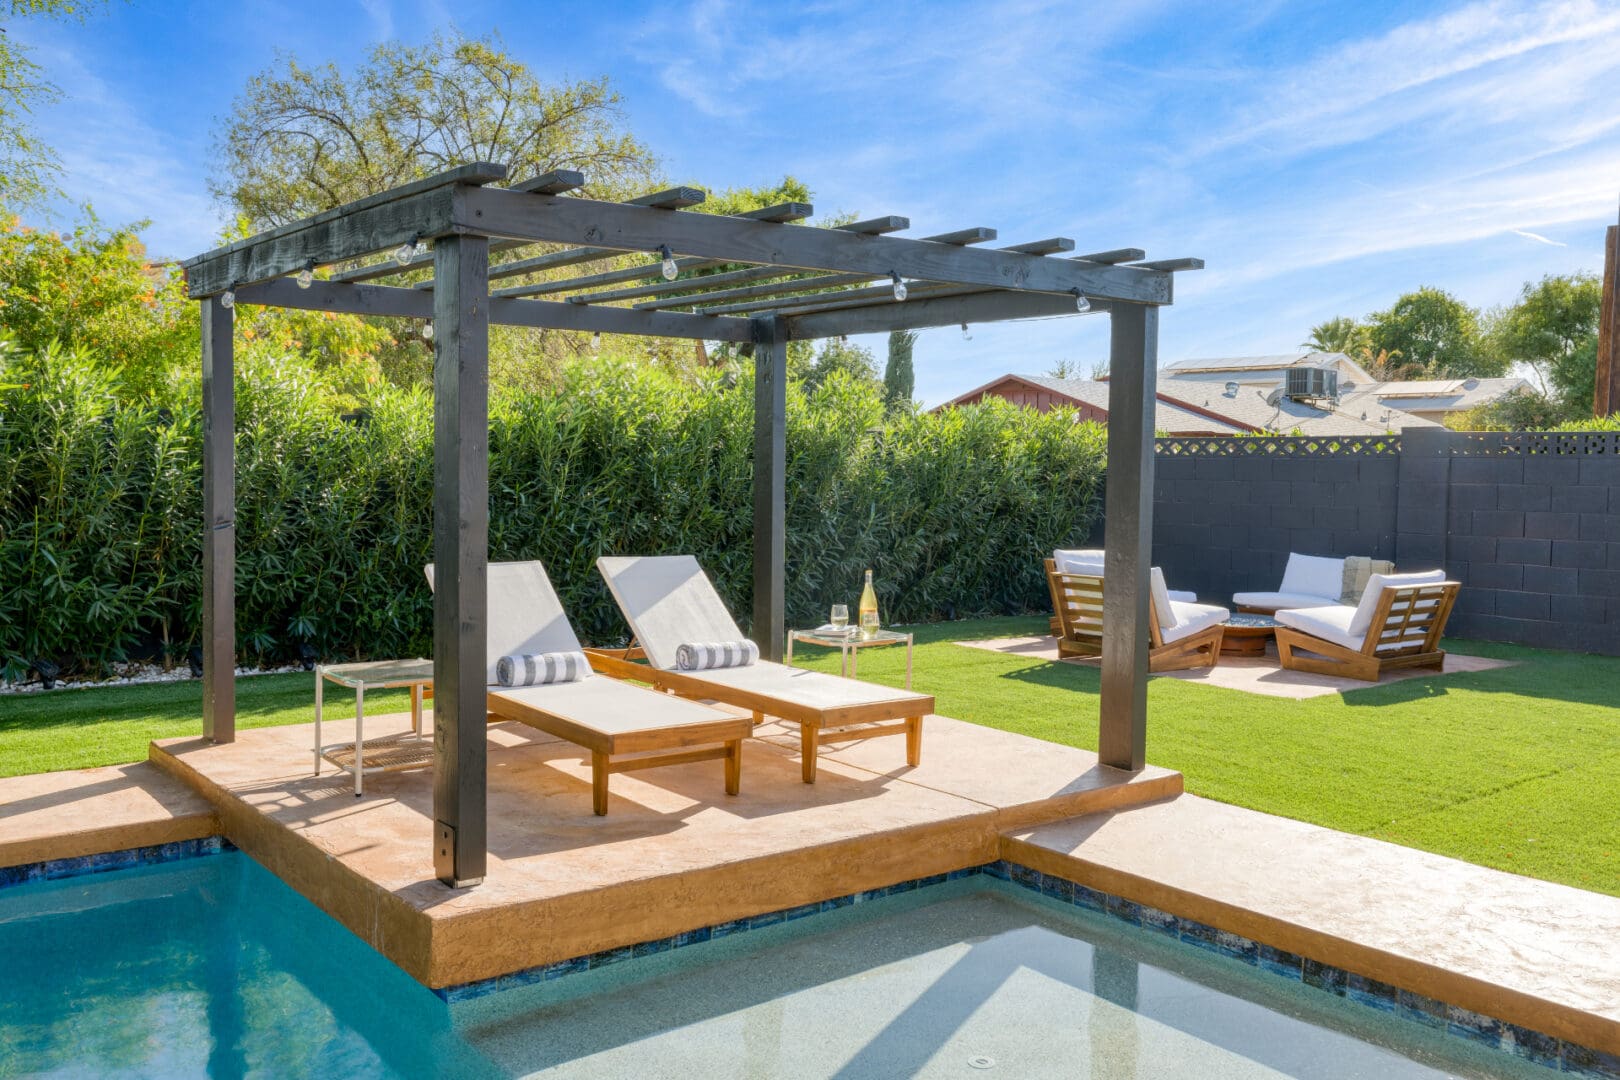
1117	255
555	182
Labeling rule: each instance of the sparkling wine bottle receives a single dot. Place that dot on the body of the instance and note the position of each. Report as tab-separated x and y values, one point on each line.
869	610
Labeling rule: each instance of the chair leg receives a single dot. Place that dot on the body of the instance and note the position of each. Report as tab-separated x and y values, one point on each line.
733	766
914	740
599	782
809	746
759	718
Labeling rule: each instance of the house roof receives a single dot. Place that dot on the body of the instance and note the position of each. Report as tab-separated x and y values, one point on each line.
1269	410
1170	414
1433	395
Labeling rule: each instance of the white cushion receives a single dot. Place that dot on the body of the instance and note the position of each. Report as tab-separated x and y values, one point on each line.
1079	561
1313	575
1376	584
1191	618
1161	599
1183	595
1331	622
1279	600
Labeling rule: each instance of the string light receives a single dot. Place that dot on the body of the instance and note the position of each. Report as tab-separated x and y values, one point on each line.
670	270
596	342
1081	304
409	250
227	299
899	286
967	335
306	276
427	330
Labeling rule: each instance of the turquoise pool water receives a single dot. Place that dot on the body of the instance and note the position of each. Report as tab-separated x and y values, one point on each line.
213	967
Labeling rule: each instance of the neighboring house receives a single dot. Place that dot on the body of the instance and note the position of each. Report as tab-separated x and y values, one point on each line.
1356	392
1089	397
1198	408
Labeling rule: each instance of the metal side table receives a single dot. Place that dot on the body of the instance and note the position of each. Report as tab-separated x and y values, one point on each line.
389	754
849	646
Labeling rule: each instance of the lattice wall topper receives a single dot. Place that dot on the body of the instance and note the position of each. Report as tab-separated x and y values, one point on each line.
1354	446
1534	443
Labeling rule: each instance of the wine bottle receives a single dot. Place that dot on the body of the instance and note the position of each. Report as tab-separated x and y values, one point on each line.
869	610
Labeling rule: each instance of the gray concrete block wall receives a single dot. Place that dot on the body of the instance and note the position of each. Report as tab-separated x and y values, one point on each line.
1530	524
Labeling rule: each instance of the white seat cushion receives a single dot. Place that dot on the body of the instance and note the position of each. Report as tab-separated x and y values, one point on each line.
1191	618
1376	585
1281	600
1330	622
1313	575
1079	561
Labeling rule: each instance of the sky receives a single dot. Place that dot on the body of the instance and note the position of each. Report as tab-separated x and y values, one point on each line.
1321	158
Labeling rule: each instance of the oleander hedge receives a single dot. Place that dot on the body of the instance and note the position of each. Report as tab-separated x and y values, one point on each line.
100	504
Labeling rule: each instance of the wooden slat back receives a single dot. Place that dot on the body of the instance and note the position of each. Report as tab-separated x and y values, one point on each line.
1077	600
1410	619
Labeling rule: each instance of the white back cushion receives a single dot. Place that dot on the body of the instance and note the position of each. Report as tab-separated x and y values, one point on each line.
1313	576
1079	561
1161	599
1362	619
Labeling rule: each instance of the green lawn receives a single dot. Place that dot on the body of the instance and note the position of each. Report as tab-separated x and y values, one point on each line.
1517	768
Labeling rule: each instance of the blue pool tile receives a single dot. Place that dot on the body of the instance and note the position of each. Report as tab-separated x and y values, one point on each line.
1279	961
1218	941
931	879
965	872
608	956
1583	1061
1420	1009
1473	1026
1160	922
1090	898
1533	1046
104	862
1024	875
1370	992
837	902
648	948
1324	977
566	967
692	937
999	869
1121	908
1057	888
723	929
768	918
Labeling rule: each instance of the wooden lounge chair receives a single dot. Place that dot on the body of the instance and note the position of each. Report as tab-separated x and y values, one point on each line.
623	727
1397	624
669	601
1180	634
1090	561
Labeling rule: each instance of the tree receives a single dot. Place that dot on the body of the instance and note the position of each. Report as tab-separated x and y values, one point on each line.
1553	330
837	354
898	377
1437	334
302	140
1341	334
28	166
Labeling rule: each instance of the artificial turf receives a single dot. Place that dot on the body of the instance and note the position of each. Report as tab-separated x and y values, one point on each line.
1516	768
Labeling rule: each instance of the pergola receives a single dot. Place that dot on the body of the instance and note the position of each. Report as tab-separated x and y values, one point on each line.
764	280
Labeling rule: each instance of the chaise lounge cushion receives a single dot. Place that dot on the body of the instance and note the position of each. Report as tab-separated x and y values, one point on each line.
1191	618
1313	575
1282	601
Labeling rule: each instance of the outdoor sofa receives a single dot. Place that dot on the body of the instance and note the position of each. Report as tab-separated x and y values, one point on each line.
1312	581
1181	633
1397	622
623	727
669	602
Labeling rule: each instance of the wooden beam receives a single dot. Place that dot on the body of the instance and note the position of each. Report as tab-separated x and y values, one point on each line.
552	183
953	309
788	287
350	231
1128	535
632	228
1171	265
219	522
1118	255
460	557
979	235
1606	393
344	297
770	486
1054	246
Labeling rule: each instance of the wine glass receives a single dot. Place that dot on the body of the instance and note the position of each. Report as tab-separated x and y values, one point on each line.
840	616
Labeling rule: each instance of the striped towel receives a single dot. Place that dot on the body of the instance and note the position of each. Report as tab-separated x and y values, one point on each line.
541	668
702	655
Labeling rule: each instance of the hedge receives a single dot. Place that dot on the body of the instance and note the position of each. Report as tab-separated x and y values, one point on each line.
100	504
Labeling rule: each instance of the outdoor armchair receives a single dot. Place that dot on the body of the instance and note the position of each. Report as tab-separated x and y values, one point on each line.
1398	623
1182	634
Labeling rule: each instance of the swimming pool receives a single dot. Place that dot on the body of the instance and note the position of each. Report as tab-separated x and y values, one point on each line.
212	966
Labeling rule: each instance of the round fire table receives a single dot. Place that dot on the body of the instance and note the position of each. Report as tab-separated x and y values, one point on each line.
1247	634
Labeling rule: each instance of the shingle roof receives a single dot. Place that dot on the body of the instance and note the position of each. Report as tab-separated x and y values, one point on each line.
1238	363
1432	394
1271	411
1168	416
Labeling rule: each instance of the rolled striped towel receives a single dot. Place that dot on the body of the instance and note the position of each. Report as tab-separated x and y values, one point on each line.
702	655
538	669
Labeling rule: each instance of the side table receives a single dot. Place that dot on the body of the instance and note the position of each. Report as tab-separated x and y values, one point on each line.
1248	633
390	754
849	646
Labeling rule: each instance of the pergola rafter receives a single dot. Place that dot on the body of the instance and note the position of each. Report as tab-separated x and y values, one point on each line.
776	281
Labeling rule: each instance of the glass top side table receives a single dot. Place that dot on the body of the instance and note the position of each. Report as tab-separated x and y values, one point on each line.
389	754
849	645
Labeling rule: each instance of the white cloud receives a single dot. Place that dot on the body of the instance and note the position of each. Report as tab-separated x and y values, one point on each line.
1538	238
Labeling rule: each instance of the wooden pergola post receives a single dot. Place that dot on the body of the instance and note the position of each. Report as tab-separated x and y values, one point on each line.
1606	389
219	521
773	282
460	555
1133	361
770	485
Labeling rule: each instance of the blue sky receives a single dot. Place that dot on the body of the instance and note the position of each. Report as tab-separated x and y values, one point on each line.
1323	158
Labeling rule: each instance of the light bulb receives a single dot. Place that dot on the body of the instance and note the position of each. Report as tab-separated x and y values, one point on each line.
427	330
1081	304
670	270
306	276
420	248
227	299
596	342
967	335
899	286
403	253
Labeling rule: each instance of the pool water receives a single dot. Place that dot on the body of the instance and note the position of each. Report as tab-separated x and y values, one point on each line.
213	967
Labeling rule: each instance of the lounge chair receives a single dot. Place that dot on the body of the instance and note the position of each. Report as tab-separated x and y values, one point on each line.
669	602
1397	624
1314	581
1181	634
1090	561
623	727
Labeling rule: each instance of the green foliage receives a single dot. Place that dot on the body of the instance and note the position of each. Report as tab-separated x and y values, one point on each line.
1528	410
302	140
899	378
28	165
1436	333
1553	328
100	509
1341	334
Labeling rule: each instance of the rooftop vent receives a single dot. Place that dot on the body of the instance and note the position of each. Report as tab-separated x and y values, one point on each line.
1231	389
1311	384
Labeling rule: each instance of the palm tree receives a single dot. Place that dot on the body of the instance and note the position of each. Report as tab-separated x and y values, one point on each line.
1341	335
